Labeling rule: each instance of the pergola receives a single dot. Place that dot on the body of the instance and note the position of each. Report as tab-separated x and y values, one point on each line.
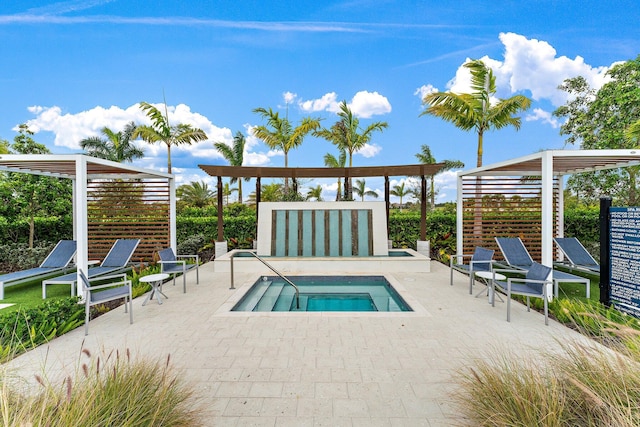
527	195
421	170
110	201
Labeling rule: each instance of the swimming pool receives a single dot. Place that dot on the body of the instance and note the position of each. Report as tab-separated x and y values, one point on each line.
323	293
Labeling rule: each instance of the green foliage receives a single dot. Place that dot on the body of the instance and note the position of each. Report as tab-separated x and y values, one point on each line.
601	120
28	328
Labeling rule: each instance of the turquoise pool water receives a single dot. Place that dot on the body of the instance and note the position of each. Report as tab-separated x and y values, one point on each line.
323	293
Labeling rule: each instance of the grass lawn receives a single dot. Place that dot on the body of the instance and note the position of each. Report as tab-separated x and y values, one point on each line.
29	295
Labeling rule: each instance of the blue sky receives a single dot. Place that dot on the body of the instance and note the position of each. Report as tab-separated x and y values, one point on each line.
71	67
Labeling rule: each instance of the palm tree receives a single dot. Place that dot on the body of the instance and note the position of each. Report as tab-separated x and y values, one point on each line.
279	134
331	161
315	193
196	194
161	131
400	191
235	156
425	157
347	134
227	191
474	110
117	147
361	190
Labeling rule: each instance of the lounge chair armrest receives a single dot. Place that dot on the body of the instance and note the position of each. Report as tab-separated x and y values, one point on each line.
197	257
181	262
522	280
508	270
121	276
125	282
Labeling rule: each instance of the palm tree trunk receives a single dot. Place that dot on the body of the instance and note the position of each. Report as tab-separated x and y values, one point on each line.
168	158
433	193
286	179
240	190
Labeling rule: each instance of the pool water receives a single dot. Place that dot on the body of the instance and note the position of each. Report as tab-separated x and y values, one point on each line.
323	293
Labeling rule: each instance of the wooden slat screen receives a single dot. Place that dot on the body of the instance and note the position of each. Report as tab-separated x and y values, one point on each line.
128	209
504	207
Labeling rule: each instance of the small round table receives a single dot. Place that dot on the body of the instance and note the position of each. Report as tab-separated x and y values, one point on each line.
155	280
488	277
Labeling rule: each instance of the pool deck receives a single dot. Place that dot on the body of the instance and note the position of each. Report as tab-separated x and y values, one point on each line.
311	369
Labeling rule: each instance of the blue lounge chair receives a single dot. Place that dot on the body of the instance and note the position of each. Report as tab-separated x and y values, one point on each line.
58	260
577	256
172	264
480	261
517	256
534	284
116	260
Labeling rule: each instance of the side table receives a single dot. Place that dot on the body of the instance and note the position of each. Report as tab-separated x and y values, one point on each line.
155	280
488	277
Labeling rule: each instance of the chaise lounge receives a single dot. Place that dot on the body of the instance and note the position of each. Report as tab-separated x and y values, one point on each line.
517	256
58	260
116	261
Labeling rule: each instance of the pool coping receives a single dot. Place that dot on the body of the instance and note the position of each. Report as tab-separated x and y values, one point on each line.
410	300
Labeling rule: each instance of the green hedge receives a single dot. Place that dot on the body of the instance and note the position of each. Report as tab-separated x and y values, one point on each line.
239	227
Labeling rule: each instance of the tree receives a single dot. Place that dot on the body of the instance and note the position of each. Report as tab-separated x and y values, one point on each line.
400	191
474	110
361	190
235	156
37	195
4	146
279	134
196	194
161	131
116	146
227	191
348	135
331	161
604	119
315	193
426	157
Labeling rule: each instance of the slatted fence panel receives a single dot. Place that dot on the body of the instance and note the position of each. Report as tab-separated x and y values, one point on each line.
128	209
504	207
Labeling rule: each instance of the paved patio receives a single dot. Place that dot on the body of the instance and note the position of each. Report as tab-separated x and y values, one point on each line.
318	369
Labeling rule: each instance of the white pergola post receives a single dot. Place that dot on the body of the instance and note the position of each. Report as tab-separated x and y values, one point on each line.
459	211
80	229
172	215
547	208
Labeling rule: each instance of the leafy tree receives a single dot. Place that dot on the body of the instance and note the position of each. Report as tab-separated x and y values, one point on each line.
426	157
474	110
196	194
315	193
162	131
331	161
400	191
36	195
116	146
347	135
235	156
604	119
279	134
361	190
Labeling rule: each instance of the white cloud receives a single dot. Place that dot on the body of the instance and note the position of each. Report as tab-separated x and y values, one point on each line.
366	104
425	90
328	102
369	150
70	128
534	66
542	116
289	97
